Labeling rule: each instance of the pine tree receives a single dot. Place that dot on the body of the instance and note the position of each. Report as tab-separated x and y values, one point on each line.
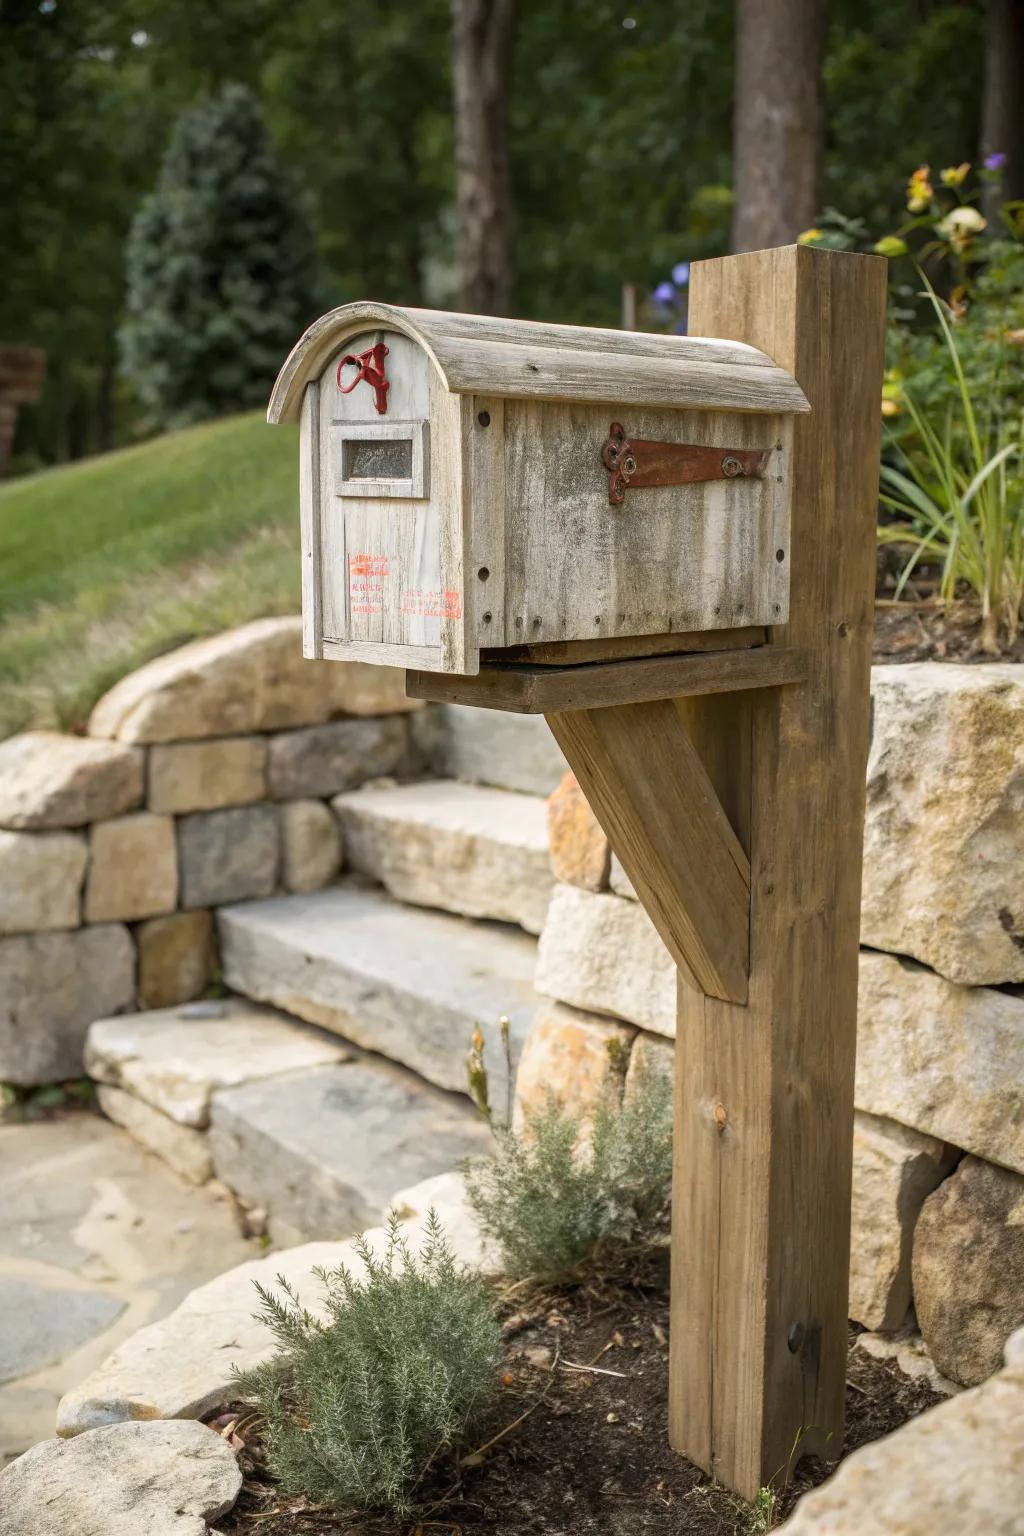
220	264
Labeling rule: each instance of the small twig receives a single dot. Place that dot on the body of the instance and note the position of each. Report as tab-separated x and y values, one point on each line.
598	1370
601	1353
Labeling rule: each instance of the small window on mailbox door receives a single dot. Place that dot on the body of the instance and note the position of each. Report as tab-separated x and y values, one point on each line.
387	459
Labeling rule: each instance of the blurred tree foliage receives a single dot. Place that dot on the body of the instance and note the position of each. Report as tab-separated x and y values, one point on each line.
219	266
621	128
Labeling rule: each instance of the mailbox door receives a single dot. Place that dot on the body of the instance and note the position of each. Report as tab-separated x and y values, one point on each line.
389	496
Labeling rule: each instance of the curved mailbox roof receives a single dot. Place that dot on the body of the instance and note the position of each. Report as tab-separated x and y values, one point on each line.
479	354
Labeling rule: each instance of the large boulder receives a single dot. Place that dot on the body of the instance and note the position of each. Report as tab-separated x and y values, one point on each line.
228	855
894	1170
52	986
957	1468
50	780
579	849
311	845
177	958
133	868
485	746
323	760
124	1480
207	775
969	1269
572	1058
947	1060
944	838
602	953
250	679
41	877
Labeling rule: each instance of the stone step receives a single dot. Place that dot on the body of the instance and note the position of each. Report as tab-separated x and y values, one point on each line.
157	1071
293	1120
321	1151
176	1059
463	848
484	746
407	983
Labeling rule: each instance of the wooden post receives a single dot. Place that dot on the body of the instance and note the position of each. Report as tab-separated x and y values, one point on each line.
731	785
764	1101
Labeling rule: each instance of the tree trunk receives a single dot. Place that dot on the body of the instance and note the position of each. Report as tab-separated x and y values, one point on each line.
1002	125
482	33
778	121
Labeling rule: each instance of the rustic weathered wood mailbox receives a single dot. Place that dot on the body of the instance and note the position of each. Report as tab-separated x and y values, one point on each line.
666	546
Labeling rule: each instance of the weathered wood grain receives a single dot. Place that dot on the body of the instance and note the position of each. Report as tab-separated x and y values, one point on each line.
706	556
568	653
765	1092
522	371
647	787
392	566
484	510
481	355
426	657
309	521
499	531
542	690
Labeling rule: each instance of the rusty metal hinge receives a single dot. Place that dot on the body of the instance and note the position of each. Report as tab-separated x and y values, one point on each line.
634	462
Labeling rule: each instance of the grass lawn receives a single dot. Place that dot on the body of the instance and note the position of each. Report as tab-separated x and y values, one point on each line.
107	562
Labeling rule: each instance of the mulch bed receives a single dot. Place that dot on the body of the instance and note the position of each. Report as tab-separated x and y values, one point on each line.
589	1453
927	631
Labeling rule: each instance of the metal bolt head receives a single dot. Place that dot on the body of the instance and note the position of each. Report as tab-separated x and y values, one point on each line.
731	466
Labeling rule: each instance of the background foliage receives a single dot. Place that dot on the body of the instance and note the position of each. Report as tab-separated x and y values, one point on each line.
219	266
620	150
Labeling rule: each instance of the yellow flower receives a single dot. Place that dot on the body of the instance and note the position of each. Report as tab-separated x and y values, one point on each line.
890	245
955	175
892	392
919	189
809	237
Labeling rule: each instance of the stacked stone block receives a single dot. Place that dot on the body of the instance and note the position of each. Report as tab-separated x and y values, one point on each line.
205	779
940	1059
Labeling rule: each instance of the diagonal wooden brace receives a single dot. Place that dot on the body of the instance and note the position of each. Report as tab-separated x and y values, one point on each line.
647	786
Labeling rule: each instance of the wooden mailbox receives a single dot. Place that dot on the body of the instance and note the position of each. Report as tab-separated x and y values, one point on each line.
665	546
472	483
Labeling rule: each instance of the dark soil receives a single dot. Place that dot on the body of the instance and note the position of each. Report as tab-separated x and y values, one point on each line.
927	631
918	625
591	1452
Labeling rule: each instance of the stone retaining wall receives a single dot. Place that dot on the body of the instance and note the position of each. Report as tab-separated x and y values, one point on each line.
940	1059
205	778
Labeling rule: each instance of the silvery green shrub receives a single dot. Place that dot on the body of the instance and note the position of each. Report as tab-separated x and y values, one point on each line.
358	1406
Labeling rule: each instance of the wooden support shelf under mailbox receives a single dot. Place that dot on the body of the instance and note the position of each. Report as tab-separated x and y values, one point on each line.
546	690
